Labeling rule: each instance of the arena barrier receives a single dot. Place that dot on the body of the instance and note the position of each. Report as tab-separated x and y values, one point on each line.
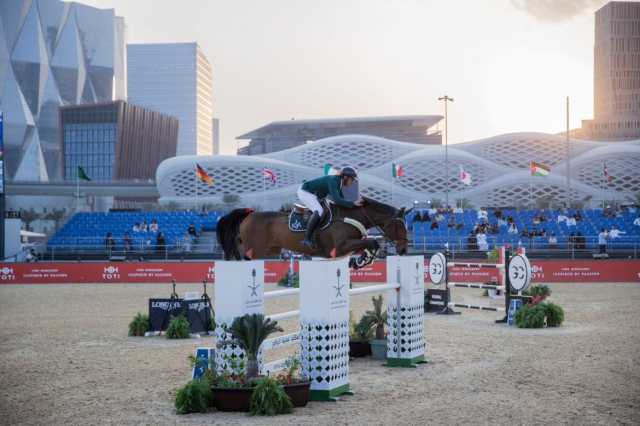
323	337
514	275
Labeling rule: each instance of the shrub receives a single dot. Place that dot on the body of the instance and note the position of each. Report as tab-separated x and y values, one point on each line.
269	398
362	331
194	397
530	316
178	328
139	325
539	290
249	331
555	314
295	280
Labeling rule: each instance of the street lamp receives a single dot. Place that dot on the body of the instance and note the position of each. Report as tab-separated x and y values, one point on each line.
446	99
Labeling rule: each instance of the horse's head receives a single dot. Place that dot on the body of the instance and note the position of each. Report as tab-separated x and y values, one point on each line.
391	221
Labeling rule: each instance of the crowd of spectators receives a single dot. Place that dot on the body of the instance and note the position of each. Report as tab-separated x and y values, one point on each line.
153	239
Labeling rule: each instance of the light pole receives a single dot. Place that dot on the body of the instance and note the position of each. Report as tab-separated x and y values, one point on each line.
446	99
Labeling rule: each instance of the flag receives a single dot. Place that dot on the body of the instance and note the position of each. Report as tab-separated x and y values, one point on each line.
330	170
539	169
269	174
203	176
605	172
465	177
82	175
397	170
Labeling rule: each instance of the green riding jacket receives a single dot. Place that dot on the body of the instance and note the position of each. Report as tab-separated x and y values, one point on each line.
328	185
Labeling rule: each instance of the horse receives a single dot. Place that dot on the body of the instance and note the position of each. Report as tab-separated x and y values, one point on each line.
247	234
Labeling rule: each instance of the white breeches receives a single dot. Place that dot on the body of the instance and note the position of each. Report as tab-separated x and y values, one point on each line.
309	200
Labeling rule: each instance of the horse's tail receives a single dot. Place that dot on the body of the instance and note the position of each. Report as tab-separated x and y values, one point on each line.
228	229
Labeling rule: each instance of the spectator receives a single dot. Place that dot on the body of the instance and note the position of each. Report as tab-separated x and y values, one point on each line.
154	226
571	221
144	227
32	256
553	241
615	232
136	227
502	222
483	215
578	216
187	240
128	242
109	243
459	226
192	231
434	225
536	220
481	238
439	217
513	229
472	241
160	243
458	210
562	217
542	233
572	241
602	241
418	217
637	221
498	214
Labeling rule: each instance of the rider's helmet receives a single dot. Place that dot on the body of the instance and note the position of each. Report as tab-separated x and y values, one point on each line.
349	171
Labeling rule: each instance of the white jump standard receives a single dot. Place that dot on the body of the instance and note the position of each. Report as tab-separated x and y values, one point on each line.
324	316
517	277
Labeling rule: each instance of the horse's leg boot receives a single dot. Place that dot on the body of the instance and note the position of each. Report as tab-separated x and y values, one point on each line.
311	227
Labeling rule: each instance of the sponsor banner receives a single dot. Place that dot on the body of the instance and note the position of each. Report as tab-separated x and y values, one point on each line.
197	312
544	271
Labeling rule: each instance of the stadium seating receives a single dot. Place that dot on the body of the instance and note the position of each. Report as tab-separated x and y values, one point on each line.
589	227
89	230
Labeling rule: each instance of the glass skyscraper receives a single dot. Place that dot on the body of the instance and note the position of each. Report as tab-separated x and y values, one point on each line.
53	53
174	79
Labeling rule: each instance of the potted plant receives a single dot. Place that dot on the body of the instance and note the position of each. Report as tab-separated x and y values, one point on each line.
232	391
359	335
377	318
295	386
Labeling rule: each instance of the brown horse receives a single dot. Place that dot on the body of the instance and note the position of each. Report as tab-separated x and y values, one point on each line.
246	234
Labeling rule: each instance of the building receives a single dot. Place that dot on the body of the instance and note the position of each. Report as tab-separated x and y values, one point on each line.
499	169
281	135
174	79
53	53
215	135
616	73
115	141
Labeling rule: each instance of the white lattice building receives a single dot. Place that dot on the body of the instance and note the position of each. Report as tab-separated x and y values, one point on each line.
499	167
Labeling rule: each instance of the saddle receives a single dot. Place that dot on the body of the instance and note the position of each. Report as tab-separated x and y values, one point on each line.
299	217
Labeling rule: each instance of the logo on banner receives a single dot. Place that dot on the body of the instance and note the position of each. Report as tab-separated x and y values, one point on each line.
340	291
537	271
7	274
253	286
210	272
110	273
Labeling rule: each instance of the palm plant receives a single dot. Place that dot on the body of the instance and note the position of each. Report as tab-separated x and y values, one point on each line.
250	331
376	318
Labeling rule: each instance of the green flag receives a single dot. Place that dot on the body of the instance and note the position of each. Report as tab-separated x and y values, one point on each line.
328	169
82	175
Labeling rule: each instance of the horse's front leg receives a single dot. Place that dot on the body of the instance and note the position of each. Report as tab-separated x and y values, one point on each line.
350	246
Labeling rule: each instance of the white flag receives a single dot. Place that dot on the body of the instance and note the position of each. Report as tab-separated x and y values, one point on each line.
465	177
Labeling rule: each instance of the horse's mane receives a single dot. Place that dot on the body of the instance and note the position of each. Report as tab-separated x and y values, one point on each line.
380	207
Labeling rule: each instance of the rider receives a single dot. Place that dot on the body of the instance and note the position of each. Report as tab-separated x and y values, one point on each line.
313	190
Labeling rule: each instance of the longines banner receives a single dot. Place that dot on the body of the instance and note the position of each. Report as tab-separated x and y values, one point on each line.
544	271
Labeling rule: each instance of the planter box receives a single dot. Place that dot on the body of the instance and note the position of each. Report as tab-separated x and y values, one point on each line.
232	399
237	399
298	393
379	349
359	349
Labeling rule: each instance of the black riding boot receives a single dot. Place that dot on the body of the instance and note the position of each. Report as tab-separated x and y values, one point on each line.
311	227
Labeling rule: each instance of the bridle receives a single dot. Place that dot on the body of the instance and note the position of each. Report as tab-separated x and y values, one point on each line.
384	228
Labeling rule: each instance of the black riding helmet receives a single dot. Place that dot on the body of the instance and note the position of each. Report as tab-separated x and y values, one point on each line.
349	172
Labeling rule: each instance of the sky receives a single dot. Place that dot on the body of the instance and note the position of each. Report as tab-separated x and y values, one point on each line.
508	64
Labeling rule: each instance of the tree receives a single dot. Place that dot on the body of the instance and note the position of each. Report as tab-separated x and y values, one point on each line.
29	216
56	215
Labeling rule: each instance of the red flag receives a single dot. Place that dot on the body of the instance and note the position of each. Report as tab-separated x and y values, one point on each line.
203	176
269	174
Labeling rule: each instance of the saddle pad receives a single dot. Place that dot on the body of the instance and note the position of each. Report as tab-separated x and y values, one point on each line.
298	223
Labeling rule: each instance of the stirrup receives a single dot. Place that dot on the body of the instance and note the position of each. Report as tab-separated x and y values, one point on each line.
309	243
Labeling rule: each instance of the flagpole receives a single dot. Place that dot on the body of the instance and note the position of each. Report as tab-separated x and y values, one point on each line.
530	187
602	183
264	190
195	179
